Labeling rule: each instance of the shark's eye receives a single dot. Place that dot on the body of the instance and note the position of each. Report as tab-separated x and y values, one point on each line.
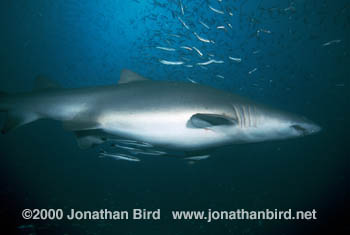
300	129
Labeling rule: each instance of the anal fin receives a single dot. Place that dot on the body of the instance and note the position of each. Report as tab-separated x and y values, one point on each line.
86	140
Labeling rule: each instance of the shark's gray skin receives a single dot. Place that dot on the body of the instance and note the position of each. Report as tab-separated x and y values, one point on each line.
168	115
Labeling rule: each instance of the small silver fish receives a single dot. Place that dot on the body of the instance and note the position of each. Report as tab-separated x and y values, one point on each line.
197	158
175	35
263	31
132	143
189	79
119	156
149	152
198	51
256	52
252	71
200	38
290	8
166	48
187	48
204	24
235	59
182	8
216	10
167	62
211	61
331	42
183	23
124	147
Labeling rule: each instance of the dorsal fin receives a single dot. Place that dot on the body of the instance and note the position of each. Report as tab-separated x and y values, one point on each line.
42	82
127	76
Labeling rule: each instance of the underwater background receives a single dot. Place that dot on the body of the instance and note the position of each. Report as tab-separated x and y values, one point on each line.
293	55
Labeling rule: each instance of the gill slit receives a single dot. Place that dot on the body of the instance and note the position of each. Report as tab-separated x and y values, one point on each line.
255	115
250	116
237	114
244	117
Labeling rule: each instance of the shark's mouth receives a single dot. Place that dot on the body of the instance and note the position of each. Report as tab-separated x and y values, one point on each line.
300	129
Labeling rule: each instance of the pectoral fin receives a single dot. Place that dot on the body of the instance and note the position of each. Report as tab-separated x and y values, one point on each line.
203	120
78	125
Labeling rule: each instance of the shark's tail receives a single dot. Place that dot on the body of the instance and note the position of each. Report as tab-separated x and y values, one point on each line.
15	118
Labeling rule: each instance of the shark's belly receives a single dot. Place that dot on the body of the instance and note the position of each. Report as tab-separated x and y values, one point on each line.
169	130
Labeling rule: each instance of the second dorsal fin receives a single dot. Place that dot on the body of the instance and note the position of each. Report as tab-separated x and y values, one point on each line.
42	83
127	76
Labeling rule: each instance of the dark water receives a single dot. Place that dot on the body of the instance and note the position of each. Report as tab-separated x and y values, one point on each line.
294	55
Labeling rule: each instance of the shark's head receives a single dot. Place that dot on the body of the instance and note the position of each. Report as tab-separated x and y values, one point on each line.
255	124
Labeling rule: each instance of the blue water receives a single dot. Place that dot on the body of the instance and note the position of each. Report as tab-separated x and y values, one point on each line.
294	55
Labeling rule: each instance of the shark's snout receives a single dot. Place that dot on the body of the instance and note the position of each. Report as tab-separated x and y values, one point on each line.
315	128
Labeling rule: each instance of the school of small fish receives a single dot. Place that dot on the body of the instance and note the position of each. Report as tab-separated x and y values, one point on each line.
188	37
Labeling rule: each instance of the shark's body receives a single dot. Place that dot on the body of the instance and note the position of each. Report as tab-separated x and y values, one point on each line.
170	115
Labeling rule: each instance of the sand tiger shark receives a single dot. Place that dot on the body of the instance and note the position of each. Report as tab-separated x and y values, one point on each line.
142	113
